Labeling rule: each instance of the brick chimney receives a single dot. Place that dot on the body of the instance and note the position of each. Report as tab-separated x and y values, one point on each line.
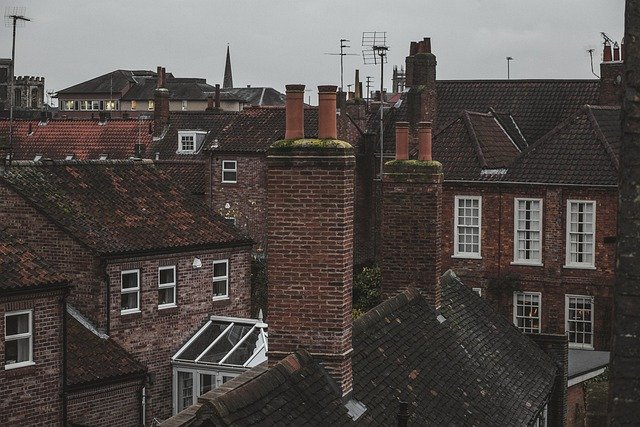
310	200
161	104
611	75
294	112
420	78
217	99
412	223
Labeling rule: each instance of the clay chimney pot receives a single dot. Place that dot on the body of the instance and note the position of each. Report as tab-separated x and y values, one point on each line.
294	112
402	140
424	141
327	124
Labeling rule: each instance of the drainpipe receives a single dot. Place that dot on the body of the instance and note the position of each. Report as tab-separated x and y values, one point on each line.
107	281
64	359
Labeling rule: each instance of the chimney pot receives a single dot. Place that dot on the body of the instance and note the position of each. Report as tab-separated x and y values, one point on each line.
424	141
294	112
327	124
159	77
427	44
413	49
402	140
616	52
606	54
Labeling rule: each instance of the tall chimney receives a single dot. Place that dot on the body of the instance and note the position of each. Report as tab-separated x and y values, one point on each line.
420	78
294	112
209	102
217	96
611	76
412	228
310	250
161	104
616	52
357	86
424	141
327	124
606	54
402	141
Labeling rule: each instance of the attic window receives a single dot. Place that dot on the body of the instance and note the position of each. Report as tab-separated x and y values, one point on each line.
103	157
69	157
190	141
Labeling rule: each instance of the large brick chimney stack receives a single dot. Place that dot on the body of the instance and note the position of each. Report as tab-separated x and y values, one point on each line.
611	74
421	80
160	104
412	220
310	244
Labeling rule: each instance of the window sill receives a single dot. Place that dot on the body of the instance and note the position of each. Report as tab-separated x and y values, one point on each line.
229	182
466	256
130	311
166	306
579	267
18	365
580	347
527	264
225	298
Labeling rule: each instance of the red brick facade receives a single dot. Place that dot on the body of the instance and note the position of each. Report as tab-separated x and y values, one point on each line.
116	405
552	279
32	395
310	235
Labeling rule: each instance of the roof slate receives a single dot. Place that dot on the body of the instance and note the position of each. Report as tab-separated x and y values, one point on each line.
113	82
139	207
473	369
21	268
84	139
582	150
91	358
257	96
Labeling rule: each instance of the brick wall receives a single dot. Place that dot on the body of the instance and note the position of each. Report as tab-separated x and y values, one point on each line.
575	406
364	203
310	235
552	279
58	249
113	405
154	335
31	395
247	198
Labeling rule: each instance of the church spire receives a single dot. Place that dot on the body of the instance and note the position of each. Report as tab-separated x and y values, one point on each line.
227	83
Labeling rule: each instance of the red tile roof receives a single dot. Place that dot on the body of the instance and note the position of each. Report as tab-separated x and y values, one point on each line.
84	139
120	207
21	268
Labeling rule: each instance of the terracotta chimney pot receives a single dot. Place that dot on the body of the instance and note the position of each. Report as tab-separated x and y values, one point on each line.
606	54
402	140
424	141
616	52
327	123
294	112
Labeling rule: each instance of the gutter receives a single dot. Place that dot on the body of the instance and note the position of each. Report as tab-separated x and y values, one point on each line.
462	181
172	250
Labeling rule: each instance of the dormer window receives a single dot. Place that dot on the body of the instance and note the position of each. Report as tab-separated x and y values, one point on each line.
190	141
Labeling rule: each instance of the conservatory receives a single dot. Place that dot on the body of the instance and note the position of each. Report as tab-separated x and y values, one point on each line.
222	349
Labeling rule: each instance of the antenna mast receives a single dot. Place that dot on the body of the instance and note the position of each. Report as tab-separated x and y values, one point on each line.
375	52
342	54
509	59
14	16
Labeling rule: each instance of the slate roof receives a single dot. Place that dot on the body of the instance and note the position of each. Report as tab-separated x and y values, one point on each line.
118	207
475	368
84	139
536	105
115	82
179	89
257	96
584	361
189	174
92	359
581	150
297	391
21	268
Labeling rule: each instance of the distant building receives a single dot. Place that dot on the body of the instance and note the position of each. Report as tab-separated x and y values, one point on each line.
28	91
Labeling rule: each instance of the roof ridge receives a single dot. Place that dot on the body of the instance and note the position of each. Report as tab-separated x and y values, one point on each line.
384	308
474	138
603	139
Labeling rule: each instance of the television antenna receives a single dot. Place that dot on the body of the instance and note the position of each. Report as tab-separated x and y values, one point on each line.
375	52
13	17
369	80
591	50
342	54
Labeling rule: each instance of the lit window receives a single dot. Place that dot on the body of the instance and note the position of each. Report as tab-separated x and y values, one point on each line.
130	293
467	226
134	104
110	105
85	105
527	231
69	105
526	311
220	279
581	223
229	171
18	337
184	105
151	105
166	287
95	105
579	321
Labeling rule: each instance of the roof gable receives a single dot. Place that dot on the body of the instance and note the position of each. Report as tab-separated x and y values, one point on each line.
113	82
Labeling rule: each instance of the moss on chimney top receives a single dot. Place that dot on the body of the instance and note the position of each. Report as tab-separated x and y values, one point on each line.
413	167
311	144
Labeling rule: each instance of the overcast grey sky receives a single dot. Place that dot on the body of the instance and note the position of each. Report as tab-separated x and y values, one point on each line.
277	42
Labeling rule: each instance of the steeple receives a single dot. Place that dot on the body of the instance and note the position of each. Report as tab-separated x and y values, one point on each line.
228	79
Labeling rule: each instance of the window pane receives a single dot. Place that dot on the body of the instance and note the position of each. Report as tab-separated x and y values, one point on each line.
230	176
185	390
129	301
165	296
206	383
17	351
166	276
17	324
220	269
130	280
219	288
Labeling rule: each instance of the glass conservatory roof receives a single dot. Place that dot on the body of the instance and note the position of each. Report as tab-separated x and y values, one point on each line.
227	341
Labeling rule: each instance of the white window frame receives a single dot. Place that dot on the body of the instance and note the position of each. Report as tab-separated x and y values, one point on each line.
516	259
196	384
477	291
192	133
567	299
130	291
229	170
184	105
584	265
21	336
456	252
134	104
151	105
515	310
171	285
221	278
